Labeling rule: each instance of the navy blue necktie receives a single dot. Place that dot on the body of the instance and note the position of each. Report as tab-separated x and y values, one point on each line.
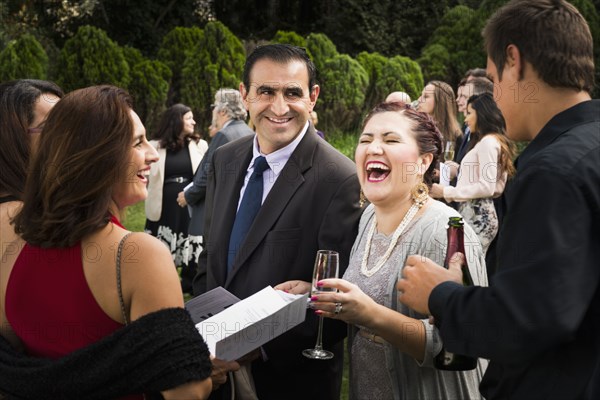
463	146
249	207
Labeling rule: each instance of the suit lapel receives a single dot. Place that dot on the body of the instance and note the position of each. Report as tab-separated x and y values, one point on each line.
288	182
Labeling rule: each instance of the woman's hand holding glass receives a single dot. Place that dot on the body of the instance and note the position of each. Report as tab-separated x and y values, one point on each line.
352	304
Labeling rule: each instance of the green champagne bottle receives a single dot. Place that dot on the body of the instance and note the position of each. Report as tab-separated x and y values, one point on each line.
456	244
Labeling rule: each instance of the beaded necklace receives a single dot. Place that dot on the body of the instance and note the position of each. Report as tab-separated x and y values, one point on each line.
412	211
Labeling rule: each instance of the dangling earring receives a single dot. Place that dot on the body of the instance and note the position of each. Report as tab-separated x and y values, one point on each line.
362	199
420	192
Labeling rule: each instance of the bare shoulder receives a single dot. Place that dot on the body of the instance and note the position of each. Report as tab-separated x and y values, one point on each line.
150	278
10	247
7	230
10	243
145	255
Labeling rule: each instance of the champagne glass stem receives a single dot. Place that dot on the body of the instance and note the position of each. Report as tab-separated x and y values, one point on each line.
319	345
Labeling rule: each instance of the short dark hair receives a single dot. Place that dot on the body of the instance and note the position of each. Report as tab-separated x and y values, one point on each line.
170	127
17	105
481	85
550	34
83	152
427	135
476	73
283	54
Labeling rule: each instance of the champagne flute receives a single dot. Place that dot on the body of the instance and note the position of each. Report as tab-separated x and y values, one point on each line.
449	151
326	266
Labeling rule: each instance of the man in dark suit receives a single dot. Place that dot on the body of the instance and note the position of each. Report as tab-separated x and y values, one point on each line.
228	118
310	201
539	321
229	114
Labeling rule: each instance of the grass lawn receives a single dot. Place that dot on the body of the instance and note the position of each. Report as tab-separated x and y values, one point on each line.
135	219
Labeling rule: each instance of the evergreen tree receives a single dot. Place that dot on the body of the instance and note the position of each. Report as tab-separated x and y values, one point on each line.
592	16
133	56
91	58
459	33
321	49
388	75
175	45
23	58
149	87
216	61
285	37
343	87
411	77
435	62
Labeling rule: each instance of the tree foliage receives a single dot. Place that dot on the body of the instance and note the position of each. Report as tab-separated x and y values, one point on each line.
411	77
343	85
92	58
592	16
321	49
247	18
133	56
287	37
459	33
149	87
387	75
216	61
23	58
173	52
390	27
165	47
435	62
140	24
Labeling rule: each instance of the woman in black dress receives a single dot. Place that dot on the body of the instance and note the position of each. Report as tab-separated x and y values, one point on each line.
180	151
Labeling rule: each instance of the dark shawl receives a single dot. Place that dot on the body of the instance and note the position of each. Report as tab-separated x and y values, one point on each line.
159	351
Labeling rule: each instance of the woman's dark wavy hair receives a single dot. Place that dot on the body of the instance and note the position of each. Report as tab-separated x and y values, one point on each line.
17	112
83	153
170	127
490	121
428	136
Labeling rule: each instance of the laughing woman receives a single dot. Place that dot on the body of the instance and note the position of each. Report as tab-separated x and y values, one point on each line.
392	347
113	326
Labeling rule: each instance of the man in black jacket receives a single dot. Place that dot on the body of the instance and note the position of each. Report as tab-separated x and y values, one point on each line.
539	321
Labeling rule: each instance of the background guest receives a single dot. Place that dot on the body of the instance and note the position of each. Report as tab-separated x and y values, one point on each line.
227	125
401	97
484	169
180	152
24	105
314	117
438	100
466	89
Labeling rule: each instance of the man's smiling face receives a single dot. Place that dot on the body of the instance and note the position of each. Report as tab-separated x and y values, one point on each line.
279	102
